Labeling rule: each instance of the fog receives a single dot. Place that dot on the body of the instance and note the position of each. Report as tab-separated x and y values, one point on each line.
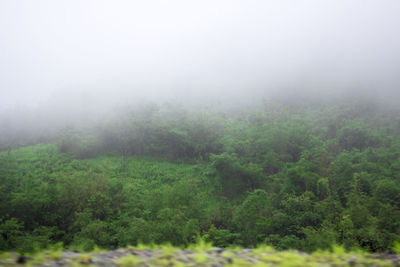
106	52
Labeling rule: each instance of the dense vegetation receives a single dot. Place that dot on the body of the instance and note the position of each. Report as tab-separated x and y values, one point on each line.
288	175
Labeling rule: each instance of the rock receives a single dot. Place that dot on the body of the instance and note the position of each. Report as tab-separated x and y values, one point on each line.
352	261
229	260
68	255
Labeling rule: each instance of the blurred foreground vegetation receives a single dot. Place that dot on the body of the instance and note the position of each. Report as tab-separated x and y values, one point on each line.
302	177
199	254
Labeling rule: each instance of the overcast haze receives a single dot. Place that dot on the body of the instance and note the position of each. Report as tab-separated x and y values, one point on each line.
194	50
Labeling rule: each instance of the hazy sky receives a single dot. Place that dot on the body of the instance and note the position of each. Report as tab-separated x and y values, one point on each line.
179	50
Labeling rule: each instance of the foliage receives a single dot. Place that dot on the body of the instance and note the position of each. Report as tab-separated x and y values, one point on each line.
204	254
296	177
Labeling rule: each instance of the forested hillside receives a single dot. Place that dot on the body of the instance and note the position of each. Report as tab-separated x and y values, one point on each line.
292	176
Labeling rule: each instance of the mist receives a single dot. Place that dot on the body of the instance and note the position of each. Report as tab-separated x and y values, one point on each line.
77	62
190	52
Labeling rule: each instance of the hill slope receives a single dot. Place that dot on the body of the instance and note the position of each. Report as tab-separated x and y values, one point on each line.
302	177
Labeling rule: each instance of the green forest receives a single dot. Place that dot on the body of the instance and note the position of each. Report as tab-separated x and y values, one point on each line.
289	175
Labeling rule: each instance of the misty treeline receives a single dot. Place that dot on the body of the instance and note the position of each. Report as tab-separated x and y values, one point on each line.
291	174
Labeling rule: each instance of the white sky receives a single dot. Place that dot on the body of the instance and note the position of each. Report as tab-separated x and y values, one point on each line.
194	49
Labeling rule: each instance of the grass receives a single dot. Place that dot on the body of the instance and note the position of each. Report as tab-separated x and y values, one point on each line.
203	254
129	260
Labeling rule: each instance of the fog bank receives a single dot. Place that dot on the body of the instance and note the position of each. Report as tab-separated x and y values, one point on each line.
191	52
